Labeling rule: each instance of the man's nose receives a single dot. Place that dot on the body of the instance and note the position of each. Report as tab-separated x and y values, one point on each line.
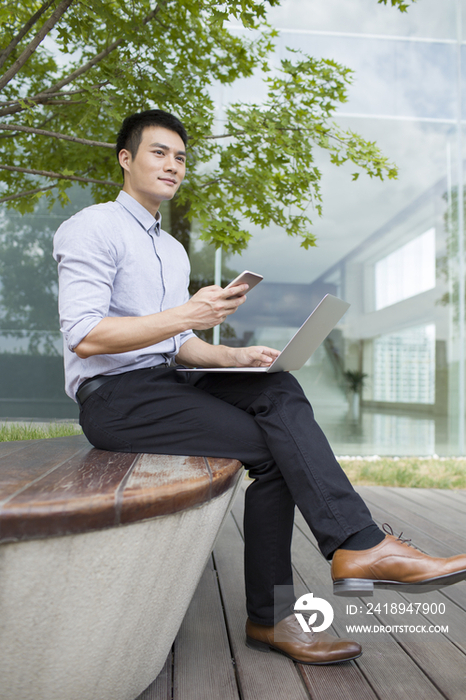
171	163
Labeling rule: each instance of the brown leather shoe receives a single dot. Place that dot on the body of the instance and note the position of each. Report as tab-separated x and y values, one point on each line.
395	565
304	647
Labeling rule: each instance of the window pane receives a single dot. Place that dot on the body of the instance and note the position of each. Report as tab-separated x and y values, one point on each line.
407	271
404	366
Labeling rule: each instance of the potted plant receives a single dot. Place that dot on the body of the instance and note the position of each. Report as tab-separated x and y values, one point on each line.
355	380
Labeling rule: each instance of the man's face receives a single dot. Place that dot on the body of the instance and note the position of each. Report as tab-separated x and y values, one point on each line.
156	172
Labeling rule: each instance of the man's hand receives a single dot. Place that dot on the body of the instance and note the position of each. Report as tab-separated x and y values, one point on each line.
197	353
211	305
254	356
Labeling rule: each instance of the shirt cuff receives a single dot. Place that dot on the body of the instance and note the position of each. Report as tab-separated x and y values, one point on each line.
186	335
78	332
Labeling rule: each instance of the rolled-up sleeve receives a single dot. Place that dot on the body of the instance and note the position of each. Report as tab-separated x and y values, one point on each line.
87	267
186	335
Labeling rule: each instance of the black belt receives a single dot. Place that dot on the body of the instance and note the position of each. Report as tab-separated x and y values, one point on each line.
90	385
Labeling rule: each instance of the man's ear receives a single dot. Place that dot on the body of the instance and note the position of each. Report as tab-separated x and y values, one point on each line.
124	158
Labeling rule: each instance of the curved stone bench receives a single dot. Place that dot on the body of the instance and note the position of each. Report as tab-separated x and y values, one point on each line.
100	554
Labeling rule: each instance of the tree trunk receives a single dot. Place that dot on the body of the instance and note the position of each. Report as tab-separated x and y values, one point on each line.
180	226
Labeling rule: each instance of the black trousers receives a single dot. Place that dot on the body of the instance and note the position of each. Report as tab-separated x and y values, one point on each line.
262	419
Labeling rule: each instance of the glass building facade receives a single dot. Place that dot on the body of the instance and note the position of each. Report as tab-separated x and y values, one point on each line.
393	249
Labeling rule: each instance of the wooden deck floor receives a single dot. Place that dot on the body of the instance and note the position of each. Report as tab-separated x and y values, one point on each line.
209	660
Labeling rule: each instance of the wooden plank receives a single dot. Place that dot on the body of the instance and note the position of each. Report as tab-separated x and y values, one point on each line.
76	496
452	499
443	512
203	664
224	474
161	688
336	682
455	495
416	522
164	484
260	675
9	447
32	459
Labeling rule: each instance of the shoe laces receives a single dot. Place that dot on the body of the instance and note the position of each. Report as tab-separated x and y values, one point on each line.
387	528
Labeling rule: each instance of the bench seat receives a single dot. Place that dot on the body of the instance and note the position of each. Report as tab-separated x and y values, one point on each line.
100	554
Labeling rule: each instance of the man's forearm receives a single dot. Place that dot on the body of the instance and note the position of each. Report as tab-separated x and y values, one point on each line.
197	353
124	334
207	308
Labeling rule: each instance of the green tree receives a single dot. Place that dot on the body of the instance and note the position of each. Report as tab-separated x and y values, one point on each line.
74	68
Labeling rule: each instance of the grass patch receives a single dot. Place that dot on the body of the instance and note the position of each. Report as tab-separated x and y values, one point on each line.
32	431
417	472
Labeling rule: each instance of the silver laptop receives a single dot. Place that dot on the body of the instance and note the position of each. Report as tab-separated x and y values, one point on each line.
302	345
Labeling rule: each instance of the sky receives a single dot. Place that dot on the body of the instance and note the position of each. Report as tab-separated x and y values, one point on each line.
426	18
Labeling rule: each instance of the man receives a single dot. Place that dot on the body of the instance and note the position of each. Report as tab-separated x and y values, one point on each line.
127	317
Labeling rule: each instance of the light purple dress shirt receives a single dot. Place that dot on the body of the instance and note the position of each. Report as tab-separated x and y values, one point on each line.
114	260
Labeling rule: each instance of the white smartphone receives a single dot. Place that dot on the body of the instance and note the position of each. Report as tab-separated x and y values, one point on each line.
246	277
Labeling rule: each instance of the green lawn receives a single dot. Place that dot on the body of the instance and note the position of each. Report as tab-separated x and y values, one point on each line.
429	472
31	431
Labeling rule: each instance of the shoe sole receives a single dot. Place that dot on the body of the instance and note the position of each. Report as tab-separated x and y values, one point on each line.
266	648
352	587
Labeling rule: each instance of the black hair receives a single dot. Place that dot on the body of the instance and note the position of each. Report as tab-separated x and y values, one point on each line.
130	134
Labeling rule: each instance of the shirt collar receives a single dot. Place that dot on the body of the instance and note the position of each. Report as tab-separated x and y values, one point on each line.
150	223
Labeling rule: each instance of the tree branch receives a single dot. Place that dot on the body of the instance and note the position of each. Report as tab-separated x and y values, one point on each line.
53	134
53	102
327	132
58	176
40	36
23	31
44	96
17	107
100	56
223	136
26	193
66	93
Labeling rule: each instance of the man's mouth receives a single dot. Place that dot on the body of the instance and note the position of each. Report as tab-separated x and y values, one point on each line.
168	180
